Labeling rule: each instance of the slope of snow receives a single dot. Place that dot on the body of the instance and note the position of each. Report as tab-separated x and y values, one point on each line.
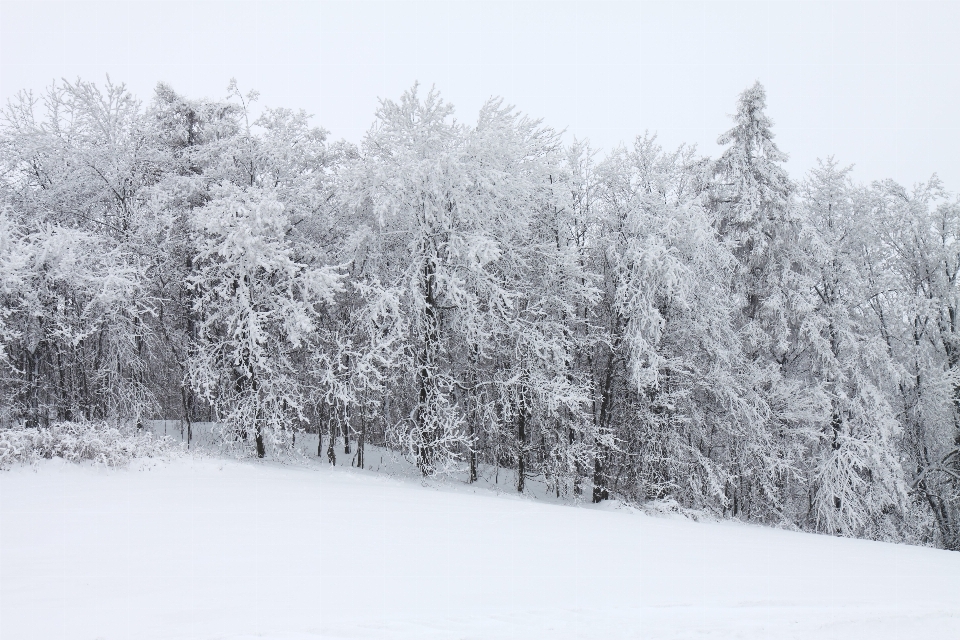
206	548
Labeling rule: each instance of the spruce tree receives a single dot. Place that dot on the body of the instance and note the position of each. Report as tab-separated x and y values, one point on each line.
751	198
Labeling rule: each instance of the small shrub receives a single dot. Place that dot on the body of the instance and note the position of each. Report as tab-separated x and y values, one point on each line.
97	442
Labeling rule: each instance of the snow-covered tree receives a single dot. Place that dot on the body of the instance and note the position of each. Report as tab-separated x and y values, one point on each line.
913	269
751	199
79	165
72	324
671	370
529	198
411	177
258	304
751	196
857	485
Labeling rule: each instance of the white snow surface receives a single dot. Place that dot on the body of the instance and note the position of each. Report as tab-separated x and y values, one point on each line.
208	548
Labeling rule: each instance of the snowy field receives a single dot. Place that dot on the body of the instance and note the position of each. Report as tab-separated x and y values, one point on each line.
206	548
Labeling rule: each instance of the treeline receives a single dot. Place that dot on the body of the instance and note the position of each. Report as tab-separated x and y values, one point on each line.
652	324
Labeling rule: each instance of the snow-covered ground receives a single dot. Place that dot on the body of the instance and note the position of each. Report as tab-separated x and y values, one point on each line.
200	547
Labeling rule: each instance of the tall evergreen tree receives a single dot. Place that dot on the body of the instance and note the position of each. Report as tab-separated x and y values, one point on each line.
751	196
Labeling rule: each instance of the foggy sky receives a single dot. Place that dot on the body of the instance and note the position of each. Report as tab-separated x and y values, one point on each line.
875	84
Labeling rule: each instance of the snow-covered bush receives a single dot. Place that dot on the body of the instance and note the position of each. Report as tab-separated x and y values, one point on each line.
98	442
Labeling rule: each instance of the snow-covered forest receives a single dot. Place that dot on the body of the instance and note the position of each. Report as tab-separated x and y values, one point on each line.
643	324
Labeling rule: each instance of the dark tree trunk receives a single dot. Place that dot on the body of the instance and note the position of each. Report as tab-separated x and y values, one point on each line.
426	359
186	397
363	436
259	440
521	471
321	420
346	431
331	452
521	442
600	491
577	471
473	457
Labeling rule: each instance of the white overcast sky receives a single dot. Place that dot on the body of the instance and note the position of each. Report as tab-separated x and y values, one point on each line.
875	84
